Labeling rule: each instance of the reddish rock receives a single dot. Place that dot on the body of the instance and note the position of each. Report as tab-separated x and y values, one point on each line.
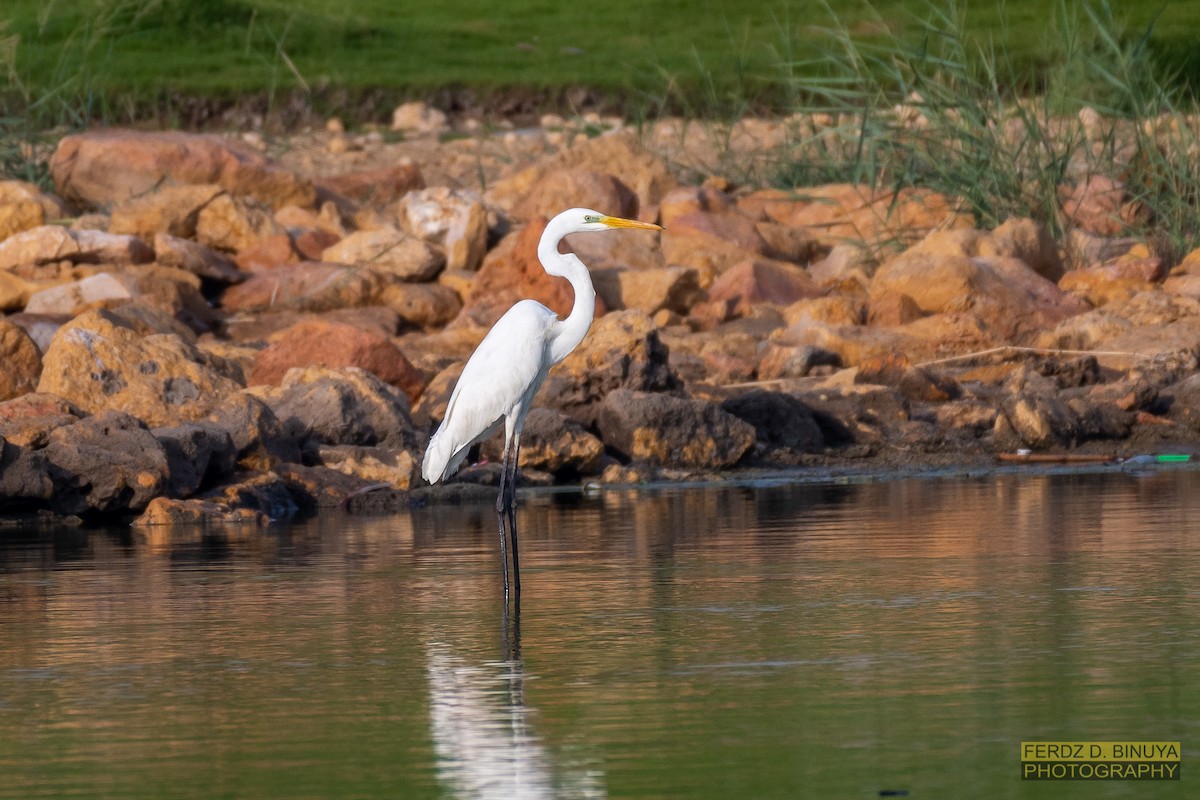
732	228
512	272
1095	204
104	167
570	188
268	253
307	286
688	199
892	309
27	420
335	345
422	305
374	186
754	282
311	243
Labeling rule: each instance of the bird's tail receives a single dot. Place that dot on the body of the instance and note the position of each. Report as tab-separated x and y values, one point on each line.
440	462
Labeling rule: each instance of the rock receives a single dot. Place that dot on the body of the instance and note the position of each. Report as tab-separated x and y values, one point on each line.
649	290
259	440
672	431
621	351
845	213
784	360
307	286
892	309
21	359
261	327
108	462
1024	240
577	188
707	254
1039	420
27	420
1005	294
376	187
393	466
268	253
454	219
1095	205
619	154
340	406
24	477
781	421
24	206
68	298
234	223
688	199
915	383
1099	287
103	167
845	262
195	258
390	251
512	272
99	363
419	118
267	494
168	511
173	210
751	283
1187	285
1182	400
422	305
553	442
14	292
199	455
334	345
310	243
36	253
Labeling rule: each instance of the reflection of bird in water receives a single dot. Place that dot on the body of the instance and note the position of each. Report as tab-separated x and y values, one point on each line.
481	733
504	373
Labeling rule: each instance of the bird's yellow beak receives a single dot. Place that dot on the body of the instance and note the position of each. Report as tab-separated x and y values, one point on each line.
618	222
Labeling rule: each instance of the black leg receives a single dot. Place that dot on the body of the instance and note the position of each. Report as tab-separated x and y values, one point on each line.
500	506
512	516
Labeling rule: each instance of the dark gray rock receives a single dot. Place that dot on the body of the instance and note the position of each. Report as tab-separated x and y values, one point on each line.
106	463
672	431
199	455
781	421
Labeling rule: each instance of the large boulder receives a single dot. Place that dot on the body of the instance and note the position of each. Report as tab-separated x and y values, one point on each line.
340	406
307	286
1007	295
621	351
335	344
570	188
107	463
553	442
377	186
99	362
199	455
104	167
452	218
673	431
781	421
388	250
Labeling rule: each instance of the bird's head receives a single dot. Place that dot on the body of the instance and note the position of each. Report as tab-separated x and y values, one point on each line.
585	219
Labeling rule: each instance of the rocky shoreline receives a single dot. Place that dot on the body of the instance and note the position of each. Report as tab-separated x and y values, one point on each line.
215	329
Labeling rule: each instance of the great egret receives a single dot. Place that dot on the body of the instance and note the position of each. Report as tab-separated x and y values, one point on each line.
504	373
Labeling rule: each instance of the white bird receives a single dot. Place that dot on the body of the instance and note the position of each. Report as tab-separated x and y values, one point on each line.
504	373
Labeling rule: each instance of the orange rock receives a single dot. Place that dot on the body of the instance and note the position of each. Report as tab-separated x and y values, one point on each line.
329	344
375	186
100	168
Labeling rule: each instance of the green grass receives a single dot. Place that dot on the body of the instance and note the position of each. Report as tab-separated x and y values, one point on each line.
110	56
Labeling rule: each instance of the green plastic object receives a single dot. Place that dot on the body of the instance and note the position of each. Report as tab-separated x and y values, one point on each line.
1173	458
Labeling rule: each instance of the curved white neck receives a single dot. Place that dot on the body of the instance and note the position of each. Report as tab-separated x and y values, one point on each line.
572	329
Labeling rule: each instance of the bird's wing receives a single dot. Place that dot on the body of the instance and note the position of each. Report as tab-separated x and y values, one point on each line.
509	363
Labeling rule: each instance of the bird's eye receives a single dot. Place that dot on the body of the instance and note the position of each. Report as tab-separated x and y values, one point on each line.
590	218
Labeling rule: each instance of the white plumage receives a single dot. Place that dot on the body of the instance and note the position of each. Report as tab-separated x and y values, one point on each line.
504	373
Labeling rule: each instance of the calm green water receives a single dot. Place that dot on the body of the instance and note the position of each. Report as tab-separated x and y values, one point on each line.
771	641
